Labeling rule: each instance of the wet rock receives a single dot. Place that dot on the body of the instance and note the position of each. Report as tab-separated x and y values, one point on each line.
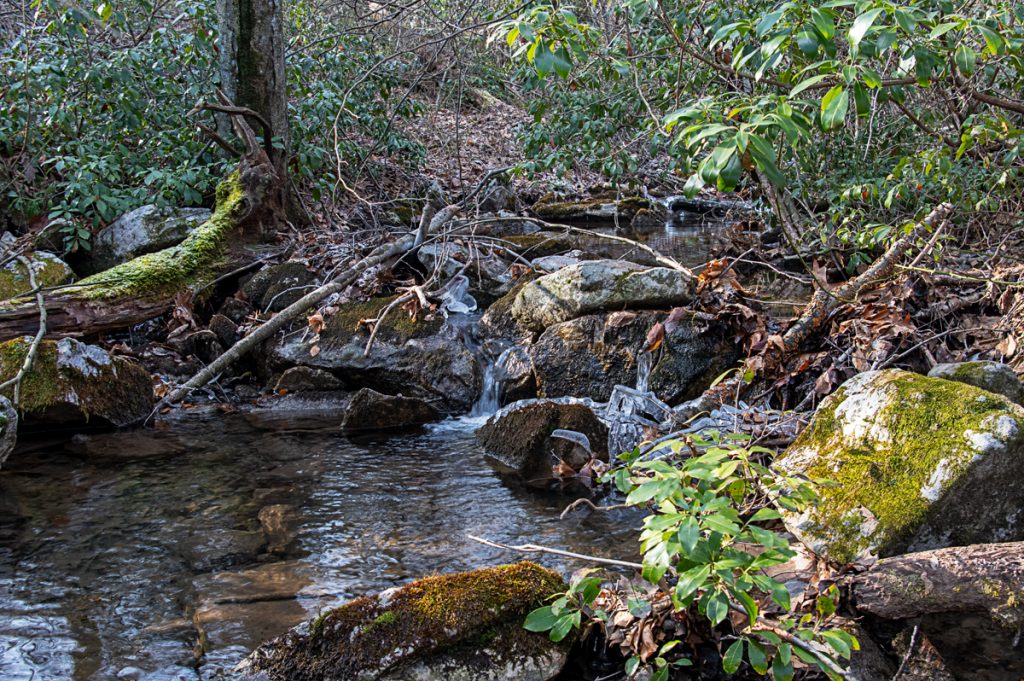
490	275
213	549
236	310
71	382
280	524
460	627
144	230
594	286
370	411
518	436
276	287
514	370
590	355
306	379
416	358
48	268
299	411
8	428
920	463
553	263
992	376
225	328
203	345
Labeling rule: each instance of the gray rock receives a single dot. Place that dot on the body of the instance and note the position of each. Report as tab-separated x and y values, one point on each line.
992	376
461	627
514	371
595	286
920	463
8	428
48	268
276	287
144	230
370	411
421	358
518	436
590	355
305	379
71	382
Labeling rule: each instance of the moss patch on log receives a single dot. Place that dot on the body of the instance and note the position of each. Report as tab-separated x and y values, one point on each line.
178	266
49	270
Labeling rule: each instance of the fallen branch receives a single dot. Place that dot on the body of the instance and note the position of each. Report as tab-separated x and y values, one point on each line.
30	356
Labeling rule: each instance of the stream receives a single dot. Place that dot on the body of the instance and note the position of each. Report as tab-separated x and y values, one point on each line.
142	555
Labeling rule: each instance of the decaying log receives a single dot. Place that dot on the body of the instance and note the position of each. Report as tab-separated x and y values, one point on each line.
145	287
981	579
780	348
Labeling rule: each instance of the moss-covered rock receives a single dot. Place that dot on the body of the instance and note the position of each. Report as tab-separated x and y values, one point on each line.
466	625
277	286
918	463
72	382
49	270
415	357
992	376
595	286
596	209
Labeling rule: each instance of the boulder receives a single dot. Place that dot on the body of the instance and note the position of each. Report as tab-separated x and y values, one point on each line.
461	627
49	271
8	428
992	376
590	355
518	436
370	411
71	382
306	379
274	288
592	286
144	230
417	358
919	463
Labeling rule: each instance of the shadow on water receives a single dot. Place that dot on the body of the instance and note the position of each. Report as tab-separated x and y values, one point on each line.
140	555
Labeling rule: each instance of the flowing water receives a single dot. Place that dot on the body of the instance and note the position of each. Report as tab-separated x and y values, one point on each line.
138	555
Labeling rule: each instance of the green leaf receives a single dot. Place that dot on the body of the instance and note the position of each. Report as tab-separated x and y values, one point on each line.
691	580
838	643
861	26
719	523
563	626
804	84
765	513
689	534
966	59
993	41
733	657
943	29
757	656
541	619
782	671
823	22
834	106
543	59
767	22
562	63
717	608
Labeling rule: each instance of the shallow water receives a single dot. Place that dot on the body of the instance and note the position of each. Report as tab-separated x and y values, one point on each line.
137	554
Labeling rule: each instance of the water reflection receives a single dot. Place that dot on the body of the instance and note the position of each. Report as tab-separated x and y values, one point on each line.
141	556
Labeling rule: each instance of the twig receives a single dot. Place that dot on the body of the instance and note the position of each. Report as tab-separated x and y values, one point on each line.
30	357
375	324
583	501
533	548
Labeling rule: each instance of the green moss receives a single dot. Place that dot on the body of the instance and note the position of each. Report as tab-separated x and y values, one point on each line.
398	327
426	616
119	389
14	278
177	266
927	419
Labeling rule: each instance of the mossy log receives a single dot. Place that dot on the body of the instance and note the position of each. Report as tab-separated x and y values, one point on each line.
145	287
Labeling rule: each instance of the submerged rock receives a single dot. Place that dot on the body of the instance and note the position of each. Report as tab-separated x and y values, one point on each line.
144	230
306	379
466	626
919	463
417	358
588	287
48	268
590	355
8	428
276	287
518	436
370	411
71	382
992	376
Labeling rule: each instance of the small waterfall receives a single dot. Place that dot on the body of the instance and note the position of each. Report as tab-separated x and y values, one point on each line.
643	371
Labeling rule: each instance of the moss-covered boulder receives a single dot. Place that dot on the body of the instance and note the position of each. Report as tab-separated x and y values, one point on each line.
590	355
71	382
466	626
992	376
918	463
588	287
277	286
48	268
415	357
